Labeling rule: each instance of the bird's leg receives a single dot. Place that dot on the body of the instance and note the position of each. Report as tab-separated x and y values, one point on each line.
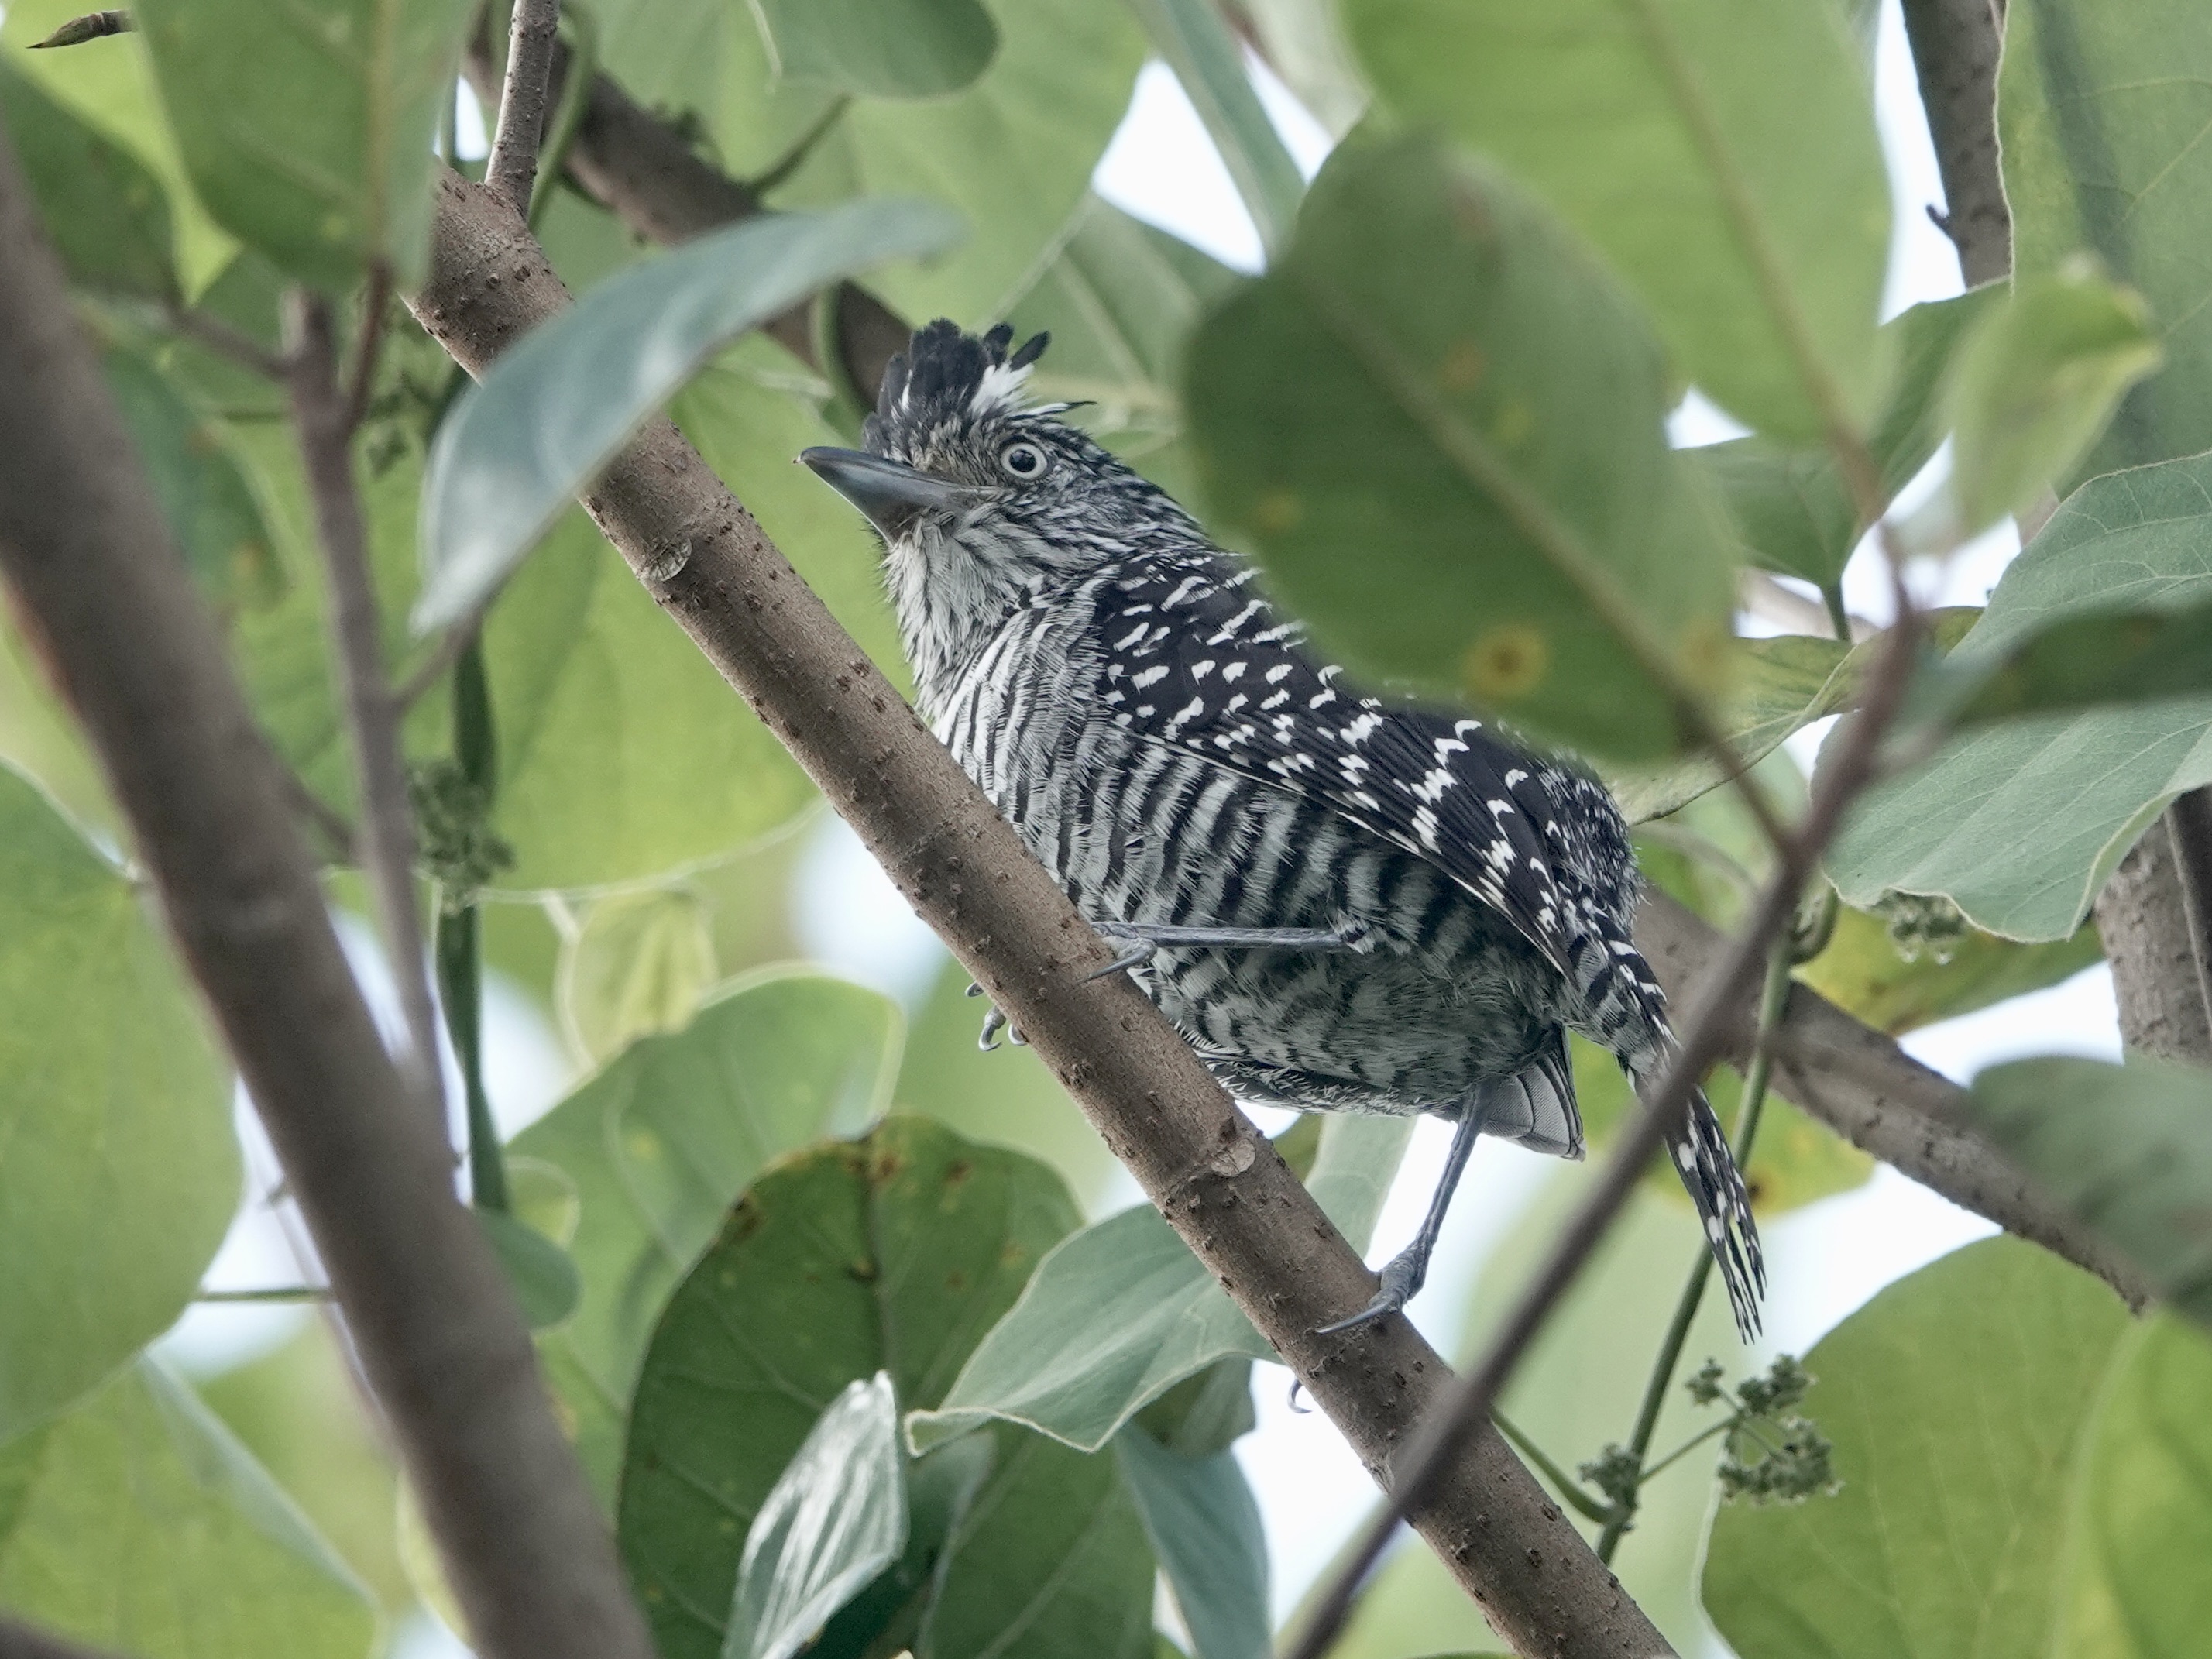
1150	937
1404	1273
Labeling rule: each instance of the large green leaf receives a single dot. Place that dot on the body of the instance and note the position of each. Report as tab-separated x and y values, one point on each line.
663	1139
110	85
516	449
2019	824
137	1522
1204	1526
1209	60
1442	426
1723	156
2101	112
1959	1402
307	129
119	1171
1014	152
2035	382
638	964
1790	505
105	211
879	48
2128	1148
1122	1312
836	1517
894	1253
2144	1520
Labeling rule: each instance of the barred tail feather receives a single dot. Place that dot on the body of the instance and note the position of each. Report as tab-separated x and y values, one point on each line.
1702	1159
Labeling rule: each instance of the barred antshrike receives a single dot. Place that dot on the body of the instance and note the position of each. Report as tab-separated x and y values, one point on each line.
1345	904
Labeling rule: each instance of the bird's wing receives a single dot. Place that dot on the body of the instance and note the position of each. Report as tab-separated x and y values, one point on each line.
1196	659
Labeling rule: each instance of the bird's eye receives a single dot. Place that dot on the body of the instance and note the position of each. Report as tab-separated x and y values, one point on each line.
1022	460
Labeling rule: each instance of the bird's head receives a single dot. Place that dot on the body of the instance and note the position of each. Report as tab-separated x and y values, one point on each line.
983	499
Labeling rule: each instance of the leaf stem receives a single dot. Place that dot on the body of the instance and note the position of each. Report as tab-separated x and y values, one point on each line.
460	942
1686	1447
1774	995
780	170
1831	595
1563	1483
272	1293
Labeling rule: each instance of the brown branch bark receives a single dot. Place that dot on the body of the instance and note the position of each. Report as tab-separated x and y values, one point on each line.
1216	1180
2143	917
511	169
1954	50
84	546
1884	1102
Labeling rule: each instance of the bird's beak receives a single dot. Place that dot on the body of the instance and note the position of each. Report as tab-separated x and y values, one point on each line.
892	493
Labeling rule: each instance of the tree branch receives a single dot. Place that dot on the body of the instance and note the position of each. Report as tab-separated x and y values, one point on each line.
1215	1177
1955	49
84	545
2188	837
322	413
512	168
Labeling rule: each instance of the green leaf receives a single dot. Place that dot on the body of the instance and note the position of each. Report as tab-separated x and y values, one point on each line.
2035	383
103	208
639	964
2100	122
1441	425
893	1253
515	450
1790	506
1122	1312
2127	1148
663	1139
2143	1518
137	1522
119	1171
836	1517
1781	684
1724	159
308	130
1959	1401
2019	824
1204	1526
879	48
1192	36
204	495
111	88
542	1275
1014	153
1863	973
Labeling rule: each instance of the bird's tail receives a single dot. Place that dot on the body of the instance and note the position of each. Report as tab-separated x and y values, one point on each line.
1701	1157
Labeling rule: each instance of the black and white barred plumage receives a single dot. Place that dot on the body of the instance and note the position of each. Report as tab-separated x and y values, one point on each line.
1165	743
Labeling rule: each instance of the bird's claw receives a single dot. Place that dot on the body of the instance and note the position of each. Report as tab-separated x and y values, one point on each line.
993	1022
1401	1277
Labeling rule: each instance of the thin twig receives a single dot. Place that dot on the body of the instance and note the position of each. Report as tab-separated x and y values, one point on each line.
225	341
1563	1483
376	301
792	160
387	841
1772	999
1705	1038
512	168
273	1293
576	78
331	824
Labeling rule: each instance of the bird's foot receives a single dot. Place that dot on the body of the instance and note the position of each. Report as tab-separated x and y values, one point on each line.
993	1022
1402	1275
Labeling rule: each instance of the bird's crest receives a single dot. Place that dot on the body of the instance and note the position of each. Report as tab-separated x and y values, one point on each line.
945	380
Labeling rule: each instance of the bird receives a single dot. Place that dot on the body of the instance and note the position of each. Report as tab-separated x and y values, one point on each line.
1344	901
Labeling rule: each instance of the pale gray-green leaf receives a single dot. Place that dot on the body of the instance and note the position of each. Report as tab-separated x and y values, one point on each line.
2019	824
834	1519
1121	1312
879	48
515	450
541	1273
1204	1526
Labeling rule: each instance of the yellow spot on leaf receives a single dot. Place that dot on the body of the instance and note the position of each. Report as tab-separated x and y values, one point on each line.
1506	662
1513	422
1277	512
